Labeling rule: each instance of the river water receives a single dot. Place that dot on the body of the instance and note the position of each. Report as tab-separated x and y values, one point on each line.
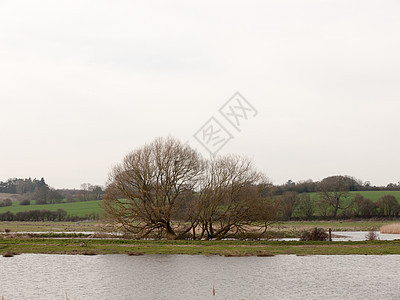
42	276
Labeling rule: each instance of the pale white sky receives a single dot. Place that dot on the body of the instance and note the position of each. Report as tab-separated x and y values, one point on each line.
84	82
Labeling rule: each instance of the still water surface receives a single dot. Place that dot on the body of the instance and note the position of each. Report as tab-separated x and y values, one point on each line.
40	276
344	236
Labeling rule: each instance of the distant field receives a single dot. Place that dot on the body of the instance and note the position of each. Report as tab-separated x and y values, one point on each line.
374	196
79	209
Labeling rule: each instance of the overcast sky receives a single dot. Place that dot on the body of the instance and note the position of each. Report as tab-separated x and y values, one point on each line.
82	83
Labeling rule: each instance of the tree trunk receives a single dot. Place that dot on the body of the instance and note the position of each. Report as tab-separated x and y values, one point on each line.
169	229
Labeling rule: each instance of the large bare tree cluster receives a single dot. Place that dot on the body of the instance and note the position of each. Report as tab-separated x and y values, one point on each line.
168	190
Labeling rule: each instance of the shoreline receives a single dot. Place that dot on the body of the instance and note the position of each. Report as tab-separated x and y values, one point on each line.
82	246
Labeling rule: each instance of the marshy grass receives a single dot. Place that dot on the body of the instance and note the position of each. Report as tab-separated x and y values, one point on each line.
236	254
135	253
260	253
227	248
391	228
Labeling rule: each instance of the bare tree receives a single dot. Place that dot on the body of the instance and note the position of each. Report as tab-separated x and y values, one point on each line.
166	190
363	207
306	206
97	192
388	205
85	188
91	192
334	190
229	200
323	207
150	188
288	203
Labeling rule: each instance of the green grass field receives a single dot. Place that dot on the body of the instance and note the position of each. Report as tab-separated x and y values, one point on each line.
79	209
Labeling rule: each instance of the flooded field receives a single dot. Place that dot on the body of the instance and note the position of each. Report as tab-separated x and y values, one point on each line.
361	236
355	236
42	276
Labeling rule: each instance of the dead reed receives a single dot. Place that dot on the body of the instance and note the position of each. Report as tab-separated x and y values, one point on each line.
391	228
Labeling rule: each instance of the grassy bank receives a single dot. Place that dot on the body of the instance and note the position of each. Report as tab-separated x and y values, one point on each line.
67	245
226	248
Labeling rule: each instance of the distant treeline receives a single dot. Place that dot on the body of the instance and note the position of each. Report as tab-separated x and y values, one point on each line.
290	201
294	206
26	189
332	199
30	189
43	215
21	186
310	186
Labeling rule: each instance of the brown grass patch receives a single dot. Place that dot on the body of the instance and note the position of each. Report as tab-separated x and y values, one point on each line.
264	254
391	228
135	253
88	253
10	253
